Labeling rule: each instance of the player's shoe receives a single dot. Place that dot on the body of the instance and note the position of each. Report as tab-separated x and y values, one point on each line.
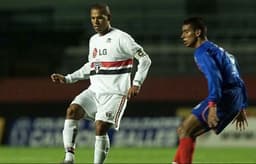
67	162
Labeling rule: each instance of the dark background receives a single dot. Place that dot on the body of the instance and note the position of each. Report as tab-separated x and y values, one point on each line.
38	38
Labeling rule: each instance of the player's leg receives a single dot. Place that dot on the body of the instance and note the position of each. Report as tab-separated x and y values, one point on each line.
109	115
196	124
189	129
83	106
102	143
73	115
187	132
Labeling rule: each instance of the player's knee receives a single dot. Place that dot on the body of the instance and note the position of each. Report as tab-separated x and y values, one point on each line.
179	130
102	127
74	112
182	132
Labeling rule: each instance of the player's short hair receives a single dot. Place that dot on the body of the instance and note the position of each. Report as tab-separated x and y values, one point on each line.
104	8
197	23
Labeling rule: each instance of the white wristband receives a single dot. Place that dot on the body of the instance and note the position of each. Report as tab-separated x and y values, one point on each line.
136	83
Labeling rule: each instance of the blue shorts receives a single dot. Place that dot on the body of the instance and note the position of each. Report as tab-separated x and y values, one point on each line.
229	106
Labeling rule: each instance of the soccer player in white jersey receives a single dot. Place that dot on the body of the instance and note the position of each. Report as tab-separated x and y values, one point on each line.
110	61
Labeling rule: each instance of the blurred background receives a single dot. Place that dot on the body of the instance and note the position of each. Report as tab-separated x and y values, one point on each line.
38	38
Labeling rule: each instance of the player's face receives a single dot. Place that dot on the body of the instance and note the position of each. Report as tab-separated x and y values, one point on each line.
100	22
189	36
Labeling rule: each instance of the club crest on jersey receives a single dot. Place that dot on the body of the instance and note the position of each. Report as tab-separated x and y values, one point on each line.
97	66
109	115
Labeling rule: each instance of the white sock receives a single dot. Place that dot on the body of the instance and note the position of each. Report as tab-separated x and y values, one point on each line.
69	135
101	148
69	156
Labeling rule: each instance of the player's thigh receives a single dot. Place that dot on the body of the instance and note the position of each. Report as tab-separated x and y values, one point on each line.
87	101
199	120
191	127
201	110
111	109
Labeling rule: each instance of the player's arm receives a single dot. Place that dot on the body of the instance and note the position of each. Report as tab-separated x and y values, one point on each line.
58	78
134	50
241	118
80	74
141	73
209	68
245	98
237	67
213	75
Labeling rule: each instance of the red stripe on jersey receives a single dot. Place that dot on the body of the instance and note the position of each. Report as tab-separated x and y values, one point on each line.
114	63
121	105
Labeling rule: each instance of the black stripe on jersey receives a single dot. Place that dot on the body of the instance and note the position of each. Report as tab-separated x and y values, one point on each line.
111	72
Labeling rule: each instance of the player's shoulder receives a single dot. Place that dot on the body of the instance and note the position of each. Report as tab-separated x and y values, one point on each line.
94	36
121	33
115	32
204	48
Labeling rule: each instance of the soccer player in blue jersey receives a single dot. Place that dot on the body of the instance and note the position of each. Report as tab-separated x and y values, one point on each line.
227	98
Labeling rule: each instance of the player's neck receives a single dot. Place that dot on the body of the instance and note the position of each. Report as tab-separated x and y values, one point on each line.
200	41
106	31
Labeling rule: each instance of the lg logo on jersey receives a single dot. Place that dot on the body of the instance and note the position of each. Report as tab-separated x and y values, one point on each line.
103	51
100	52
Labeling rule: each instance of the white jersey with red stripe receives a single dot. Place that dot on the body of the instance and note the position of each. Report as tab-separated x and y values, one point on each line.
111	58
110	63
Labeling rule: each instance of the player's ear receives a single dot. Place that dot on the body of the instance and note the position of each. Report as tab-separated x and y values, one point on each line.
198	32
109	17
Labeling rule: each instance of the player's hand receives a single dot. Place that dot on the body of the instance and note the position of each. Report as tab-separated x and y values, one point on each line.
241	120
133	91
58	78
212	117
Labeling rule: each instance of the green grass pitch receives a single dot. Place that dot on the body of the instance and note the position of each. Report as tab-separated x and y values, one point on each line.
127	155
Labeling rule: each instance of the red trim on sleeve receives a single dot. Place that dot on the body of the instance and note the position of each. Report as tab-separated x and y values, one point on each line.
211	104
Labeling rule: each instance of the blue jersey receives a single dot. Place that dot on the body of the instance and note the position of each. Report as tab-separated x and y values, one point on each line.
221	71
